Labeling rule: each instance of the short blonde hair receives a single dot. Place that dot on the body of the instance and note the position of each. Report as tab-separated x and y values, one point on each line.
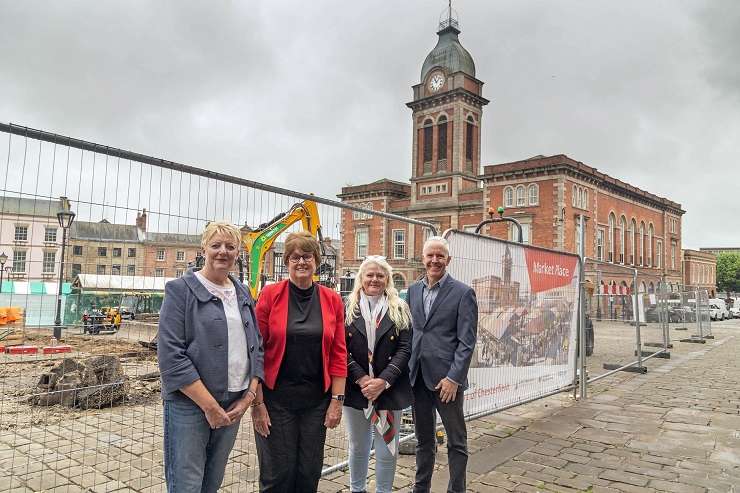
221	227
304	241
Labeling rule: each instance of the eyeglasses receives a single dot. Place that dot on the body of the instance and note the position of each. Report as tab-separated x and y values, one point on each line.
297	258
375	257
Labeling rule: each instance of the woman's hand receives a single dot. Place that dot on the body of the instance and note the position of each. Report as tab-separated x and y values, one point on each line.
261	420
217	417
372	388
239	407
333	414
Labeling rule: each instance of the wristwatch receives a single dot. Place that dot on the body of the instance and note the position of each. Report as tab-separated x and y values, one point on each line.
338	397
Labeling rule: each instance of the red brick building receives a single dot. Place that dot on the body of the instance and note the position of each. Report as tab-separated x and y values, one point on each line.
546	194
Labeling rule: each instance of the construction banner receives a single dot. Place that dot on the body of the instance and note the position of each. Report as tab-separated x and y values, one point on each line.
527	319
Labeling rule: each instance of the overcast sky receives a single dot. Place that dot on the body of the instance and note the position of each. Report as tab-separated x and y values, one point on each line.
311	96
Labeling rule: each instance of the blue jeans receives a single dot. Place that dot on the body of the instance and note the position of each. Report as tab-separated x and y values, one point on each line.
195	456
361	432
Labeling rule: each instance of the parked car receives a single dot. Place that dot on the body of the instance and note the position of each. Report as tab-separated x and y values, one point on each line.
735	312
687	314
654	314
718	309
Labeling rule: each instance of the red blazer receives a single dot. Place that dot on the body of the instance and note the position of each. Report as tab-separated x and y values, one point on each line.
272	319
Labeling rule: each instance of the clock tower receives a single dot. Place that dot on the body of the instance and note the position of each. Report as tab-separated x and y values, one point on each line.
447	110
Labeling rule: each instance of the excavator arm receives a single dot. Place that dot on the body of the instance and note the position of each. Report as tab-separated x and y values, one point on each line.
259	241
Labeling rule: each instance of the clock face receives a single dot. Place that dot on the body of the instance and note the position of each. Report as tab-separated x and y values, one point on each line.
436	83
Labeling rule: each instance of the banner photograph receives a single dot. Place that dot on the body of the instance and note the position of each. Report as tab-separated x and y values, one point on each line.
527	319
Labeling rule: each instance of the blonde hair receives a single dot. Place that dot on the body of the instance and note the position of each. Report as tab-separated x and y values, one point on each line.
221	227
302	240
398	310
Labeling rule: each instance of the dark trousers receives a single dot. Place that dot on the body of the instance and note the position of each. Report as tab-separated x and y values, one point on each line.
426	402
292	456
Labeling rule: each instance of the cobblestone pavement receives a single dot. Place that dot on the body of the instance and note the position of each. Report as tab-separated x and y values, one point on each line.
673	429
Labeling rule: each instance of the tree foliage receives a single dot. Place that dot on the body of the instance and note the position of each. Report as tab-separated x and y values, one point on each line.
728	272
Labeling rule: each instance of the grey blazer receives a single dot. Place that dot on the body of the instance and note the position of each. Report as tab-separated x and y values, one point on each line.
443	344
192	341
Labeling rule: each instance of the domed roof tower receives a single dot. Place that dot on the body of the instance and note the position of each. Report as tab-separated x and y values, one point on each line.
447	109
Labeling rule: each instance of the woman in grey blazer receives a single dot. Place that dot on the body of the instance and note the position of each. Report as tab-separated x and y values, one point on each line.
378	326
211	360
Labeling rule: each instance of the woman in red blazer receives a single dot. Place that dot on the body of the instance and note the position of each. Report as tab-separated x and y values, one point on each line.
302	326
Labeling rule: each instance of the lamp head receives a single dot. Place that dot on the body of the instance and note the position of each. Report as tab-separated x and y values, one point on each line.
3	259
65	218
501	211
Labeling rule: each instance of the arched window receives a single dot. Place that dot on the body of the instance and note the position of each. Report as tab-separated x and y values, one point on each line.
469	144
585	198
508	197
622	231
633	228
650	245
369	208
580	197
399	282
362	214
442	144
534	194
642	242
428	145
610	239
520	196
575	195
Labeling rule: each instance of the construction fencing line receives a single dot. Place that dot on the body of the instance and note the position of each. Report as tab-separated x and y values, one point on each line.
141	217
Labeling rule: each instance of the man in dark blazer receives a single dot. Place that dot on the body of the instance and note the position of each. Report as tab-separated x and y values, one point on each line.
445	319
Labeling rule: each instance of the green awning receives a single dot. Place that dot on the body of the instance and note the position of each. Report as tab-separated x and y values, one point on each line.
8	287
66	288
37	288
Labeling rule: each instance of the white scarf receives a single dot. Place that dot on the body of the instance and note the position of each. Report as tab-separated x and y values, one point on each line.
372	317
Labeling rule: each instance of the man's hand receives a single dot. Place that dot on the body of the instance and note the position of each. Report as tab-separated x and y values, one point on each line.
447	390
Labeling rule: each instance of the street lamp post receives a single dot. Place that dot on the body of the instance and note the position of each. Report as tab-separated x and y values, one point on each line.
65	221
3	259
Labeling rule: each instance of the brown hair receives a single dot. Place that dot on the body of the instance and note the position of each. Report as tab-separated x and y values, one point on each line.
303	241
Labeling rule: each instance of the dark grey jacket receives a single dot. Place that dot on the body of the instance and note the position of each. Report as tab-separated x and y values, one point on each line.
192	341
443	344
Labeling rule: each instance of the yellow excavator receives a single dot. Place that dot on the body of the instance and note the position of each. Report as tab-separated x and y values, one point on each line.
259	241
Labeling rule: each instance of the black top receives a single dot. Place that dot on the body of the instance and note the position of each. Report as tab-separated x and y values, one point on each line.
300	380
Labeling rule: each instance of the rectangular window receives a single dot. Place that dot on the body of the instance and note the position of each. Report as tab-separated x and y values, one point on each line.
77	250
160	254
179	272
180	257
361	239
48	264
19	262
116	270
578	236
600	244
399	243
526	233
159	273
131	270
101	269
50	235
673	255
117	252
132	252
21	233
76	270
102	251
